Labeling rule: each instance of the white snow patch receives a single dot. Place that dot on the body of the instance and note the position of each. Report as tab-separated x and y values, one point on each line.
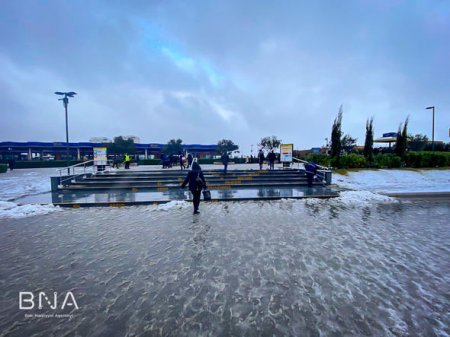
18	183
174	204
12	210
400	181
358	197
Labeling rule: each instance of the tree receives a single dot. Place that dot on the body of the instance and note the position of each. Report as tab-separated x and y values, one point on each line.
368	144
402	139
348	143
269	143
173	146
336	135
121	146
417	142
226	145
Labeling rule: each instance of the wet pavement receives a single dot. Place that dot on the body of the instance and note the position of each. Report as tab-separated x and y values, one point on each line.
275	268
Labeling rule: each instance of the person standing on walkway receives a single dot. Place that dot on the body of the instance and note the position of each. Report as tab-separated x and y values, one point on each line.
196	182
11	164
271	156
260	158
181	158
190	159
127	161
225	160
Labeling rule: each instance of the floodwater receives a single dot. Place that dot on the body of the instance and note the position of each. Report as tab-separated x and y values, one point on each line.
281	268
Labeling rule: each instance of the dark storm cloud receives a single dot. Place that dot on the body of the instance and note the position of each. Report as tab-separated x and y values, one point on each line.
207	70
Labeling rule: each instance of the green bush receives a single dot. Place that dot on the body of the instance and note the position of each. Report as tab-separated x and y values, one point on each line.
205	161
3	168
352	161
25	164
150	162
427	159
319	158
387	160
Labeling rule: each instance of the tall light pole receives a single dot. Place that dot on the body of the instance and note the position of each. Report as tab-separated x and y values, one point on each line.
65	100
432	135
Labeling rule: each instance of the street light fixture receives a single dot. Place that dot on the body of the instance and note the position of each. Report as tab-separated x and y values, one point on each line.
432	135
65	100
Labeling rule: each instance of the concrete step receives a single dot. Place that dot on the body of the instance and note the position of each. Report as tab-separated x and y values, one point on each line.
160	187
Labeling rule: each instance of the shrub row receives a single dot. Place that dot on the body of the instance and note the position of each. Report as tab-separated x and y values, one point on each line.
427	159
24	164
386	160
150	162
319	158
3	168
204	161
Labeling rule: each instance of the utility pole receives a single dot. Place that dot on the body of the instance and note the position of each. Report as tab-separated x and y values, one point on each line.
432	135
65	100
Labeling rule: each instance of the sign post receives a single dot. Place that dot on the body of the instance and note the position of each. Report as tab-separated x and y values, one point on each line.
100	158
286	151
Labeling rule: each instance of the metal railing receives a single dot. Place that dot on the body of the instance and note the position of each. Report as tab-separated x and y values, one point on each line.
83	165
321	172
73	175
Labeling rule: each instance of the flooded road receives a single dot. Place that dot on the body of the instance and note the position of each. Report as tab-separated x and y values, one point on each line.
282	268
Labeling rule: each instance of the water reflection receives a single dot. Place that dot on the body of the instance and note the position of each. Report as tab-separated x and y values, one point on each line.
245	269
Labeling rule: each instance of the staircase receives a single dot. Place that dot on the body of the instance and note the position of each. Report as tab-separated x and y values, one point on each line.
155	186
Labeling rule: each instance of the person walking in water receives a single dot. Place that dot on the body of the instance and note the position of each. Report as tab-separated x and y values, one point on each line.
225	159
260	158
196	182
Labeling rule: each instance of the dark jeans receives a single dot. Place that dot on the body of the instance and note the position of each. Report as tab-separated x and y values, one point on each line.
310	177
260	166
225	166
271	165
196	199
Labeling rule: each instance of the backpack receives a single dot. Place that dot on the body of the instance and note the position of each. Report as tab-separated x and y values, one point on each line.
198	182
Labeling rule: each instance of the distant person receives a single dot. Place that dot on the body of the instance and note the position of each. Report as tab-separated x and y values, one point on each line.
127	161
163	160
116	161
190	159
196	182
260	159
181	158
225	160
271	156
311	171
11	163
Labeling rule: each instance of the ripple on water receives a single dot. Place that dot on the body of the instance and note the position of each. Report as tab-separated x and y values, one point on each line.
251	268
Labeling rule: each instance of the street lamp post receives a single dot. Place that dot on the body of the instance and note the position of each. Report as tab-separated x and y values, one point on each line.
432	135
65	100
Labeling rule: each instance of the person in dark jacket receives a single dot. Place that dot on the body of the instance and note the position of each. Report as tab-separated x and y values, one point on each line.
225	159
260	158
195	185
190	159
311	171
271	156
181	159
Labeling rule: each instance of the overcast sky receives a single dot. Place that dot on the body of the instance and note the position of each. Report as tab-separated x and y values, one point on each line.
206	70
